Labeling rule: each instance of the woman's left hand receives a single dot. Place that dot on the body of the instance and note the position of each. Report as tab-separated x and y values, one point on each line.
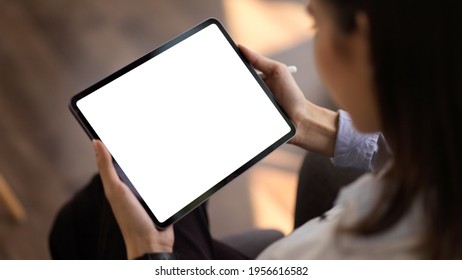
140	234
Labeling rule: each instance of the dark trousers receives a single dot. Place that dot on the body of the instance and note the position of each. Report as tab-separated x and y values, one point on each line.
85	228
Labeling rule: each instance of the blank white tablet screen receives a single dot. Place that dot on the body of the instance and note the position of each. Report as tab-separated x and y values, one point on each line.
184	120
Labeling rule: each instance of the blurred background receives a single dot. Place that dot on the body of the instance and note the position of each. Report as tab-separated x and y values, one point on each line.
52	49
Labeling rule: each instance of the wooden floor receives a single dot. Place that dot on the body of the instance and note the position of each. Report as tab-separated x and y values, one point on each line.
51	50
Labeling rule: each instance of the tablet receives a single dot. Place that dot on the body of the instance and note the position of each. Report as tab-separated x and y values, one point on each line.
183	120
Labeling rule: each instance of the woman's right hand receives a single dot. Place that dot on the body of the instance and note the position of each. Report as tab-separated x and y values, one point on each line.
316	126
283	86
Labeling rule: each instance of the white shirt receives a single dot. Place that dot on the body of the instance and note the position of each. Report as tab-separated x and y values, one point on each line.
323	238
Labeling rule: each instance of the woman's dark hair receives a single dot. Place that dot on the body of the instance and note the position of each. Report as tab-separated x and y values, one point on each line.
416	53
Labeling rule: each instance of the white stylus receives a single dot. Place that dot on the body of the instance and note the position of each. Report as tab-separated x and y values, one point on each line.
292	69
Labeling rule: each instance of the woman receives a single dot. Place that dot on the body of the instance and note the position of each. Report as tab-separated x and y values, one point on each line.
392	74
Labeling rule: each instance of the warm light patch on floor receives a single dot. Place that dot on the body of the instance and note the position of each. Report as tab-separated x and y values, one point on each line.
273	186
268	27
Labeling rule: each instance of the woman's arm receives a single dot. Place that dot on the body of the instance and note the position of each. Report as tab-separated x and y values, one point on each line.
318	129
316	126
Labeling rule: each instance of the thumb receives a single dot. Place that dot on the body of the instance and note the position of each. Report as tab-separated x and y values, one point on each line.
258	61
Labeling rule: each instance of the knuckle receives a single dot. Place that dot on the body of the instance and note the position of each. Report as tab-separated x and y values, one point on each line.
279	68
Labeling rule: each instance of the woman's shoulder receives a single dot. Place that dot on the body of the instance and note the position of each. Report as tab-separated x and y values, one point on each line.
322	238
358	198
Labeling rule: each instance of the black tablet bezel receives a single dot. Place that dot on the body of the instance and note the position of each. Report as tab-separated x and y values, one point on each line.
93	135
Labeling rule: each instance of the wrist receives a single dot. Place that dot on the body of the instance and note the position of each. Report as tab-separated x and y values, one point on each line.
158	256
139	247
316	129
